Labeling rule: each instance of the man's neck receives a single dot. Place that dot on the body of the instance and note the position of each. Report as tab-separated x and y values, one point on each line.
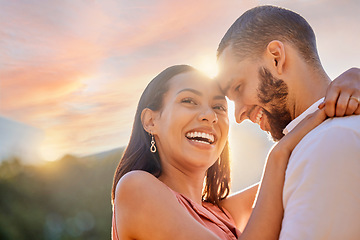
312	87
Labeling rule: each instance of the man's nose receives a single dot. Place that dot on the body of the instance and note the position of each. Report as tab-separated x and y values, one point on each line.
240	113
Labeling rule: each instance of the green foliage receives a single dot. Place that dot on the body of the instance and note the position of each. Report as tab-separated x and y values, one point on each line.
61	200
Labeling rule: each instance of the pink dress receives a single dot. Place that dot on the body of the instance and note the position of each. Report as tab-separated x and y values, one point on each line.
207	214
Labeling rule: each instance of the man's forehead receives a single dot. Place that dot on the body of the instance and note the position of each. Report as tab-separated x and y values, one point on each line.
227	63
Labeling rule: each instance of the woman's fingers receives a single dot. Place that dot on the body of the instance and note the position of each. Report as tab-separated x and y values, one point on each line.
321	105
332	95
352	106
357	111
337	100
342	104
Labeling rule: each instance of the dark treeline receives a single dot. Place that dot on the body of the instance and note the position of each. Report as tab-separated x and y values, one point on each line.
65	199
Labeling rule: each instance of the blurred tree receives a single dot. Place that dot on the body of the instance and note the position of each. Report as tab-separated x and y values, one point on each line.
65	199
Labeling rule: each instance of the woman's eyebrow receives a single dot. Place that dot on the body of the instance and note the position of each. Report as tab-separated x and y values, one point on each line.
219	97
191	90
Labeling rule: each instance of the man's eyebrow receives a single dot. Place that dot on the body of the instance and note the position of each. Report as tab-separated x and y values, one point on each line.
191	90
226	89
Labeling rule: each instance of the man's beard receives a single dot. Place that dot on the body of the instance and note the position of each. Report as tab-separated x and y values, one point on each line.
273	92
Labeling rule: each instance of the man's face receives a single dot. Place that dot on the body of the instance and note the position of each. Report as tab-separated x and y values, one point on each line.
258	95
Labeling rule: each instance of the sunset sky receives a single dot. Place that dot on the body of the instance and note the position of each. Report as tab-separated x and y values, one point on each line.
74	70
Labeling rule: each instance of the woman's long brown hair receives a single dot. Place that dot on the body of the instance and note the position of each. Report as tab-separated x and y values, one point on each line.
137	155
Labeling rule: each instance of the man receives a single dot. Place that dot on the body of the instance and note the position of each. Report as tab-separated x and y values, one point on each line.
270	68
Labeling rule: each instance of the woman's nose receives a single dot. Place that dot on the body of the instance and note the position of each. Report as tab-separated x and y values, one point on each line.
209	115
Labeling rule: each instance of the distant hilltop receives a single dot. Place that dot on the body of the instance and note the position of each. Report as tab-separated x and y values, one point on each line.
113	153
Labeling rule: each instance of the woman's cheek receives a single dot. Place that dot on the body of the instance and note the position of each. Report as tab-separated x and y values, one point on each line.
224	128
226	125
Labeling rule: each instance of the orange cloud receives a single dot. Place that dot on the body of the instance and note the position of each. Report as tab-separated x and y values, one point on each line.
77	69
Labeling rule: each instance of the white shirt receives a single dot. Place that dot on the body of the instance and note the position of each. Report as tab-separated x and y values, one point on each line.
321	194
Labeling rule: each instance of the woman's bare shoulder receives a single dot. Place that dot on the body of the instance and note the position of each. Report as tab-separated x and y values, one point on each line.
145	208
137	178
138	198
138	184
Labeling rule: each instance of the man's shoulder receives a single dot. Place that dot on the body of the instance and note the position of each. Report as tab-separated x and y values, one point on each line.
321	177
334	138
349	122
341	126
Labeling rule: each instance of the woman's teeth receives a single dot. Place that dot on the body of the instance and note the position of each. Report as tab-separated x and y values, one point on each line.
259	116
201	137
200	141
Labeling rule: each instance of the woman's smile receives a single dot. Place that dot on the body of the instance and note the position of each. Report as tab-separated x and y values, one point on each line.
202	138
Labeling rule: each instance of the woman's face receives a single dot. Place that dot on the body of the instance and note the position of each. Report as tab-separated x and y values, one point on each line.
192	127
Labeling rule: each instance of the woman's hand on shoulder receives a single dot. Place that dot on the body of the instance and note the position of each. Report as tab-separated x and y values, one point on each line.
146	209
343	95
287	144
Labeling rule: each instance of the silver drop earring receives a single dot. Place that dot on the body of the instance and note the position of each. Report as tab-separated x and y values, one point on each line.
152	147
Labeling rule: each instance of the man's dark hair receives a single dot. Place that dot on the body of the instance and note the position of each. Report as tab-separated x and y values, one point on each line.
252	31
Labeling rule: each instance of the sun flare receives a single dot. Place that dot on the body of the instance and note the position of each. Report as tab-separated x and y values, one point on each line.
49	152
207	64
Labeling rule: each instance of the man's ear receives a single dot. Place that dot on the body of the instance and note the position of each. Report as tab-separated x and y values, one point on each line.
276	52
148	117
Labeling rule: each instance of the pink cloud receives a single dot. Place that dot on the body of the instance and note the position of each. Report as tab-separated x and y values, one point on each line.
166	21
77	69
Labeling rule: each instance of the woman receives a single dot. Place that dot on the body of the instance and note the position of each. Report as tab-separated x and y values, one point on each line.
173	179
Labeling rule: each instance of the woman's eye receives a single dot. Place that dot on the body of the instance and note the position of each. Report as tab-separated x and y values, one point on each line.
220	107
188	100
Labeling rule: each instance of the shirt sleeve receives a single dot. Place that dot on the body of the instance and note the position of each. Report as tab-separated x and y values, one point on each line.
321	192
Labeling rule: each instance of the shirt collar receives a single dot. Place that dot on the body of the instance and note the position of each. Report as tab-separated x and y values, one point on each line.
297	120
